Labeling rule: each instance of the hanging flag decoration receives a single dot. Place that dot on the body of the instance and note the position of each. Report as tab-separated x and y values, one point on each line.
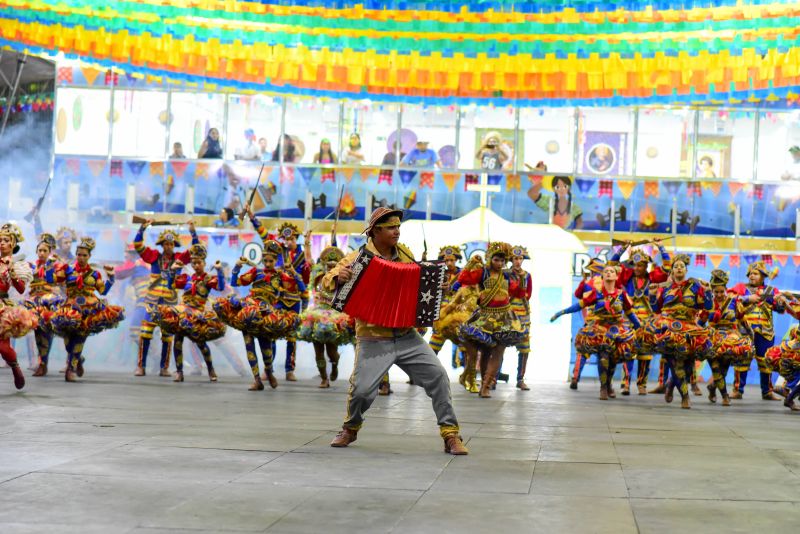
651	189
64	75
494	179
605	189
626	187
287	175
407	176
426	180
714	187
233	240
179	167
74	166
534	53
537	179
90	74
513	183
734	260
700	260
96	166
756	191
201	170
781	258
203	239
385	176
471	179
248	237
308	173
796	260
767	258
450	180
347	173
218	239
716	259
750	258
112	78
672	187
157	168
694	189
116	167
185	240
735	187
584	185
135	167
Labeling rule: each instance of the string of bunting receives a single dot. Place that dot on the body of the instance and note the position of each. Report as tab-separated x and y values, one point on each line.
524	52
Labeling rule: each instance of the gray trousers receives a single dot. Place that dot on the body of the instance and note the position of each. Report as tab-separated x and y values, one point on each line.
413	355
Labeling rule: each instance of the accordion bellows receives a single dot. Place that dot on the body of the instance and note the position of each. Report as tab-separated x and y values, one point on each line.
392	294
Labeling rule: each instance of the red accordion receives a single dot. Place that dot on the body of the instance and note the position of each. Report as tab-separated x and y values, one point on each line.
392	294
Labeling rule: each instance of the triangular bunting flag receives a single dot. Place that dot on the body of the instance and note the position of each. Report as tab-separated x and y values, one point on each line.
626	187
156	168
136	167
714	187
287	175
716	259
218	239
185	240
74	166
248	237
385	176
513	182
584	185
781	258
450	180
233	240
733	260
347	173
672	187
307	173
796	261
96	166
203	239
536	179
407	176
366	174
426	180
179	167
694	189
750	258
494	179
734	188
90	74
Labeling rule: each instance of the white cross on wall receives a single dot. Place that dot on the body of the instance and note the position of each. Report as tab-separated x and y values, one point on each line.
484	188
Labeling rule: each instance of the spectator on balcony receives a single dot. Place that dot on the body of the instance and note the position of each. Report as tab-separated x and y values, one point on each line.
227	219
422	157
211	147
289	150
490	155
177	151
262	149
250	150
353	154
793	170
326	156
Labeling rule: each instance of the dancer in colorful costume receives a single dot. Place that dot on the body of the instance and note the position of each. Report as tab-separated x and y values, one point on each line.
65	237
758	316
161	290
137	275
257	315
493	326
785	360
292	297
520	287
442	329
729	342
15	321
191	319
592	279
320	324
83	313
607	335
44	298
636	280
677	332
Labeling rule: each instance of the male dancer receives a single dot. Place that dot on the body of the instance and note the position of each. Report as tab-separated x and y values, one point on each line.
520	287
449	255
378	348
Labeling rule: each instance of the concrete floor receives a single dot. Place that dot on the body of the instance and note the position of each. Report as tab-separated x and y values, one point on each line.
115	454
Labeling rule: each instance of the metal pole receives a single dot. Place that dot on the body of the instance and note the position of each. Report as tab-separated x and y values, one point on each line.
675	224
693	173
225	127
168	123
612	219
737	225
575	153
458	136
111	122
516	140
341	131
20	64
283	131
754	177
635	139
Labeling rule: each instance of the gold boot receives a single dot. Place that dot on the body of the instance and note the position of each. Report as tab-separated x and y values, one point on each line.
470	382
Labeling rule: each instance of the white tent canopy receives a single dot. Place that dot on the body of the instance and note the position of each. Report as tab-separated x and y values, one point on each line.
551	249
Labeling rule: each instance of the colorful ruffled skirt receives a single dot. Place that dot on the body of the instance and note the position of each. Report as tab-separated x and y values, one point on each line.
669	335
79	317
730	345
45	305
16	321
614	339
783	359
256	317
456	312
197	325
322	324
492	327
